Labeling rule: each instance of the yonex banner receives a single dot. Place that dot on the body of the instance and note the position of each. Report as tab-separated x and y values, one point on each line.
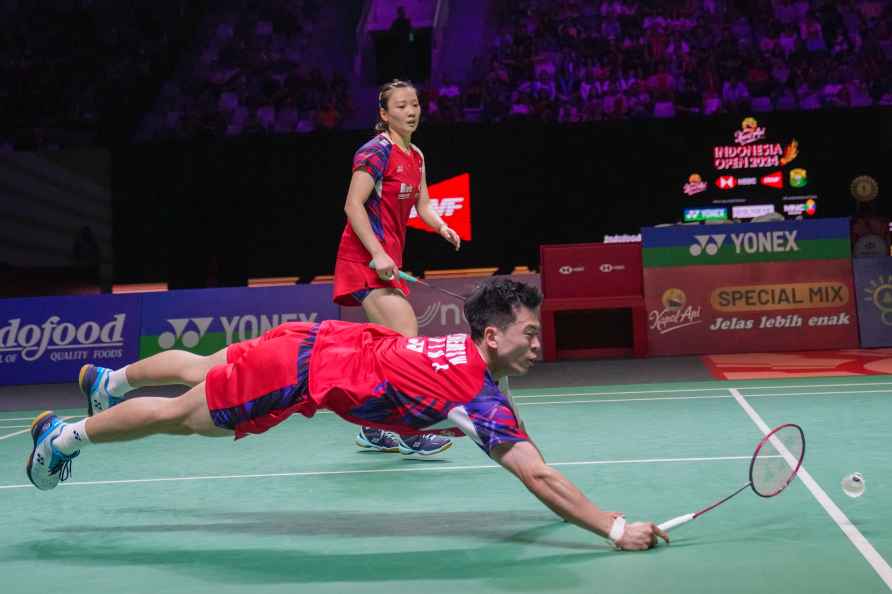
873	292
754	306
205	320
47	339
696	245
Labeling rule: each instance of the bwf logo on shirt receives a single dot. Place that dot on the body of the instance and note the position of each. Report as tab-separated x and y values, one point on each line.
443	351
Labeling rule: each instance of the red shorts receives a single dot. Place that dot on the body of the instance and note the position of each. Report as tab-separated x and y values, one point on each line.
264	381
356	277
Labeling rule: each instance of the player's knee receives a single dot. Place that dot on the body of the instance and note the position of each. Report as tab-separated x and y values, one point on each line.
173	416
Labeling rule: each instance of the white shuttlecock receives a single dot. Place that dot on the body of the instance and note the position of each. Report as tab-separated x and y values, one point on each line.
853	484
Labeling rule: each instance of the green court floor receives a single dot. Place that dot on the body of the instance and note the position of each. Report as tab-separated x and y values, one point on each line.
300	509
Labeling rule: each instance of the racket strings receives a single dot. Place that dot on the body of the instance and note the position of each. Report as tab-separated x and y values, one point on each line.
777	460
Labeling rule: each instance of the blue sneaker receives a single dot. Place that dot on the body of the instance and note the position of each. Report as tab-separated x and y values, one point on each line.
426	444
377	440
93	382
47	466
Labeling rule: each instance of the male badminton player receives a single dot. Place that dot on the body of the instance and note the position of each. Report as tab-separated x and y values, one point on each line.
365	373
388	180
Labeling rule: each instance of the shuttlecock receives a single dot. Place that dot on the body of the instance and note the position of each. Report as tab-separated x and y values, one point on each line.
853	484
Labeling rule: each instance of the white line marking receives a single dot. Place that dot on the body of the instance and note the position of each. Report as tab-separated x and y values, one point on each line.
28	428
715	388
379	471
779	395
2	437
861	543
606	400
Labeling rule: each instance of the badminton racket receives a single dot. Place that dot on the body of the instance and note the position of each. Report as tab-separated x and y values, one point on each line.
774	465
411	279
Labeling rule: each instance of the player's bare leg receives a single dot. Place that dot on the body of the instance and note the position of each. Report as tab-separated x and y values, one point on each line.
104	388
57	443
389	307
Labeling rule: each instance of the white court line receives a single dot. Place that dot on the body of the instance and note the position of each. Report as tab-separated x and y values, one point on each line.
861	543
2	420
28	428
716	389
779	395
379	471
13	426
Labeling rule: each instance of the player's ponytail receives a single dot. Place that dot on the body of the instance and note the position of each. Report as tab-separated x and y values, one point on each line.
384	94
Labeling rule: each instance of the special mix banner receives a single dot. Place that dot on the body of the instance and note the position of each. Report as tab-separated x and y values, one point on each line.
46	339
749	287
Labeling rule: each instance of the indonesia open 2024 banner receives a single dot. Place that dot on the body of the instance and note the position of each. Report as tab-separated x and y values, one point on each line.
752	287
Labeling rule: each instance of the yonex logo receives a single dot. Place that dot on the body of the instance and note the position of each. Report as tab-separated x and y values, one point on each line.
235	328
190	339
707	243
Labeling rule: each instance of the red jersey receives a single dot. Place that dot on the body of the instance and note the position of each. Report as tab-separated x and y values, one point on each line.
371	375
397	175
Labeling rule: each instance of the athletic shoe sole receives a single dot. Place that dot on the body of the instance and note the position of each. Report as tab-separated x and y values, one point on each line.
37	426
365	444
411	452
84	375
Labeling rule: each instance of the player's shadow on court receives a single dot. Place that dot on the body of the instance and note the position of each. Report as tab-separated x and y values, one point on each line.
507	560
521	527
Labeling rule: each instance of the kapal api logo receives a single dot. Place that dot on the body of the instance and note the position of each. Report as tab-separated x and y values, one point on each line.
749	132
675	313
695	185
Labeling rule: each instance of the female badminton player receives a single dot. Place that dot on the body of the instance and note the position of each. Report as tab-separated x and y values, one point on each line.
388	180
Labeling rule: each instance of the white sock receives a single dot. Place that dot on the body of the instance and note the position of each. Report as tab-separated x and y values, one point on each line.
117	383
73	437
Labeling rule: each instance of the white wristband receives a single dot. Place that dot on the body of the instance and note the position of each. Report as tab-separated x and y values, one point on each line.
618	529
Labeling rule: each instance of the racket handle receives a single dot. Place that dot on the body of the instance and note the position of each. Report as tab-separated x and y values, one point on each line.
403	275
670	524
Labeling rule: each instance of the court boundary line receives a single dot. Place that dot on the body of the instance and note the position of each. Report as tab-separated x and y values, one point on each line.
602	401
28	428
716	388
860	542
313	473
716	397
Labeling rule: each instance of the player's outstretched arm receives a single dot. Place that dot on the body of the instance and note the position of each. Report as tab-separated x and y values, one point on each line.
561	496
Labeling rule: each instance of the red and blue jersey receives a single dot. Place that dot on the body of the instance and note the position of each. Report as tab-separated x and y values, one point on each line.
373	376
397	175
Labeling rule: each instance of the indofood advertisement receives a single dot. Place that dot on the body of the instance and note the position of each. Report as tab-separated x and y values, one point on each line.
751	287
47	339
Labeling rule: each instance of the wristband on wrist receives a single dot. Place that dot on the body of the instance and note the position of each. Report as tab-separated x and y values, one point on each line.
618	529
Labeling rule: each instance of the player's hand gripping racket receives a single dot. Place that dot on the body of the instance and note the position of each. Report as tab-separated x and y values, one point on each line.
411	279
774	465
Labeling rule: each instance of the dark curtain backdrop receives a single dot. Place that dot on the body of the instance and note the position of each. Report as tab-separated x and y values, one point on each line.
236	209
